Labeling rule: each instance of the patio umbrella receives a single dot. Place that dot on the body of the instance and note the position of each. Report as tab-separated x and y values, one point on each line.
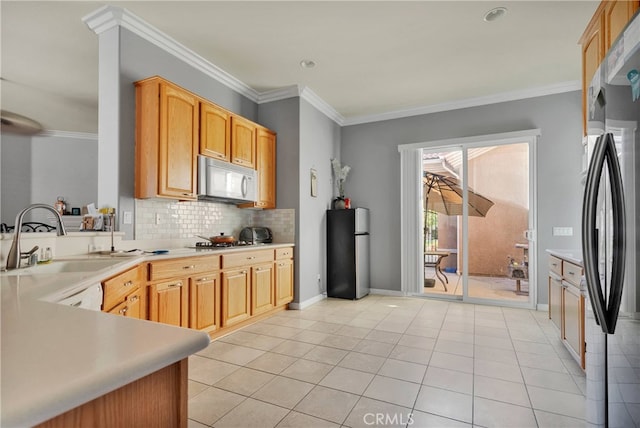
443	194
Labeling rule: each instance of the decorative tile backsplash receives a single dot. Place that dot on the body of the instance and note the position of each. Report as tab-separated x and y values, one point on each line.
158	219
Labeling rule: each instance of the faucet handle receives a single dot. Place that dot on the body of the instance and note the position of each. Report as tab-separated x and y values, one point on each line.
28	253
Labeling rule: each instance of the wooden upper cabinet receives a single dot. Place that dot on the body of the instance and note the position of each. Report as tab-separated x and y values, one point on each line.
605	26
616	16
167	121
215	132
266	169
243	142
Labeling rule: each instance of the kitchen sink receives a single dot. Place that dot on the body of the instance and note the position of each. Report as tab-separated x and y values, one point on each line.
66	266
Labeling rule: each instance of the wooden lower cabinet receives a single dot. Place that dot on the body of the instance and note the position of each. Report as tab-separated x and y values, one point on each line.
131	307
156	400
555	301
574	322
168	302
566	306
262	295
204	302
283	281
236	296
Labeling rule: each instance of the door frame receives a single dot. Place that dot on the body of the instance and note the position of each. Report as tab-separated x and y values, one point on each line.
412	251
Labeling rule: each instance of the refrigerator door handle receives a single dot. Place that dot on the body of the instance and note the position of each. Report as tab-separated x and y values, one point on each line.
606	313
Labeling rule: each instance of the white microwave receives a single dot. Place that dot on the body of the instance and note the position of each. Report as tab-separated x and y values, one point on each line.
225	182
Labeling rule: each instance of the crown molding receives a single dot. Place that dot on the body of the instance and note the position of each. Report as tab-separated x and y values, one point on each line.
557	88
67	134
279	94
313	99
108	17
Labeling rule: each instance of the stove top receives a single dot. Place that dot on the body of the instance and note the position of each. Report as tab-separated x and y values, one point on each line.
206	245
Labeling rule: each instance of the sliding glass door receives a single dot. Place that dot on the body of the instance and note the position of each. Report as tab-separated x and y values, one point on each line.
476	220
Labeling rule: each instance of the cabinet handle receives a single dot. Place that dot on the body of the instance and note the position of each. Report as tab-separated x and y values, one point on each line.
189	267
571	273
280	264
177	284
244	272
128	283
186	194
124	310
251	257
133	299
202	279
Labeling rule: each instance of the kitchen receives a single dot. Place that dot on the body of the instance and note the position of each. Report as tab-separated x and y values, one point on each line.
320	136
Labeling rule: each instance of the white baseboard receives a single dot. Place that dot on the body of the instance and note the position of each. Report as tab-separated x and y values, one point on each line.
386	292
308	302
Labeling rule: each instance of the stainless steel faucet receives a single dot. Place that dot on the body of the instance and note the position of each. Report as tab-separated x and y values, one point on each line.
14	256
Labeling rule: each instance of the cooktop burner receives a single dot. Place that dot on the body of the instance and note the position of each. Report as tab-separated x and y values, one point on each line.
206	245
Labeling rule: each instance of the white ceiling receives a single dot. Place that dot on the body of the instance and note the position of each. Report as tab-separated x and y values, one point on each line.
372	57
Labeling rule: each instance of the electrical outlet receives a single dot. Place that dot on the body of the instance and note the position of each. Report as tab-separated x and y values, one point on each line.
563	231
157	218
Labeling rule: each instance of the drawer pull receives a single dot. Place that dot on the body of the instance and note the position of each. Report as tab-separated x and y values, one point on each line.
251	257
244	272
202	279
189	267
280	264
134	299
176	284
128	283
124	310
554	264
571	273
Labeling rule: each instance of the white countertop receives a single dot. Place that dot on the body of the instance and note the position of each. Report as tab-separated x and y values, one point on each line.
573	256
55	358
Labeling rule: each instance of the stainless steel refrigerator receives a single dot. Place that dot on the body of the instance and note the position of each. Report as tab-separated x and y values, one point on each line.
348	253
609	237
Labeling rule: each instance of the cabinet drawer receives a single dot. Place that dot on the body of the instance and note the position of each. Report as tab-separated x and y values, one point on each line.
571	273
246	258
555	265
118	287
284	253
184	266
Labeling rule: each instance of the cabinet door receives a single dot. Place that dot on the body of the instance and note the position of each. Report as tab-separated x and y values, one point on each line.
236	296
616	16
555	301
262	294
204	302
178	147
284	281
215	132
130	307
266	167
592	55
168	302
574	321
243	142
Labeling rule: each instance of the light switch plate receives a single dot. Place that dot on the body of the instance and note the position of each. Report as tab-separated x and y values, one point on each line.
127	217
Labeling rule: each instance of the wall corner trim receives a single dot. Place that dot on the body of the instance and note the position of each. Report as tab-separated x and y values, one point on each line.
108	17
308	302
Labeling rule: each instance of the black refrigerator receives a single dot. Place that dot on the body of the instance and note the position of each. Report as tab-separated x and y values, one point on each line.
348	253
610	242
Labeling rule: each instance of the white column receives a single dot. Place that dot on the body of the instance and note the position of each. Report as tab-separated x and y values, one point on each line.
411	245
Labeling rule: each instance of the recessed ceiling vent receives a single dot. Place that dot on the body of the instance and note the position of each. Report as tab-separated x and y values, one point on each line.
17	124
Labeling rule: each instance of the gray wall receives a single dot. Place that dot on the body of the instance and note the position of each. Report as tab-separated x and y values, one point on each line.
319	143
139	59
306	139
38	169
371	150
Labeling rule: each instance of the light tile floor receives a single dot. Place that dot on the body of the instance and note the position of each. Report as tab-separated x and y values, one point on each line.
389	361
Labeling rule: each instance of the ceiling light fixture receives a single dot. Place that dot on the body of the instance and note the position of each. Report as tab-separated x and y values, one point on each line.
495	14
307	63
